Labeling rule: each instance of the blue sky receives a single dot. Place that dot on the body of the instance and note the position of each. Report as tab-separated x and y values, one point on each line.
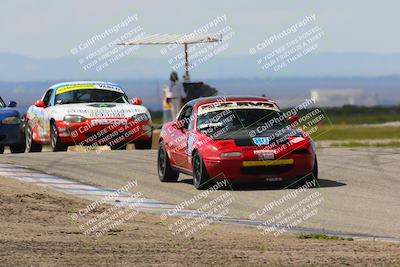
48	28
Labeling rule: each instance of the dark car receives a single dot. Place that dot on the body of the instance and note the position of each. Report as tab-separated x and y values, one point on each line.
11	128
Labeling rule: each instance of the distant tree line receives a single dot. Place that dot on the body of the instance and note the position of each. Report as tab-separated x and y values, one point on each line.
349	114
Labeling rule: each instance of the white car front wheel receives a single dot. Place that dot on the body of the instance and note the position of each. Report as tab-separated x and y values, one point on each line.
56	144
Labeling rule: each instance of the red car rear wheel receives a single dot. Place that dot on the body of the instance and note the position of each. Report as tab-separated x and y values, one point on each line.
165	172
200	175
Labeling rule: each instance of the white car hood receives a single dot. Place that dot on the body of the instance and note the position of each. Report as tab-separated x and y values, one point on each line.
97	110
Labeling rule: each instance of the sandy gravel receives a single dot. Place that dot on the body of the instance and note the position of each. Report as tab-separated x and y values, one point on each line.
37	230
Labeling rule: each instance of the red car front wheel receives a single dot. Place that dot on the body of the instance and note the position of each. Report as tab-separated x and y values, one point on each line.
200	175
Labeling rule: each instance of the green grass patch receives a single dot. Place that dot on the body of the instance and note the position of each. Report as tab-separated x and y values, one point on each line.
359	144
360	115
364	118
323	237
337	132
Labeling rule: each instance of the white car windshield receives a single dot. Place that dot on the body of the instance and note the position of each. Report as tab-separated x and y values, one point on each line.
90	96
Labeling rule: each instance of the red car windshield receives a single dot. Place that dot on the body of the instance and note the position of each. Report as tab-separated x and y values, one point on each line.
235	119
90	96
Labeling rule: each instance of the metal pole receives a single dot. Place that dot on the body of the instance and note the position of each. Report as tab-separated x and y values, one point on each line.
187	77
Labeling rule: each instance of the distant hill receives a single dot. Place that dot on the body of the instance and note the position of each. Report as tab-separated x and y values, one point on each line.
25	79
20	68
386	90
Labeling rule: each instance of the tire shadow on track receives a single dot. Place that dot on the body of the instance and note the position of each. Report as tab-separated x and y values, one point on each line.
257	186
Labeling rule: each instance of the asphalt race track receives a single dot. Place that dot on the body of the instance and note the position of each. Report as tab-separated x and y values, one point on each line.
360	187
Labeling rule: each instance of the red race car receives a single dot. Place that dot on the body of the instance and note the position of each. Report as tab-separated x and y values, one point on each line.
235	138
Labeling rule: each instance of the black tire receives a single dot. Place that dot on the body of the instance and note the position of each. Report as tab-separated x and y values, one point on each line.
18	148
56	144
314	174
164	170
144	144
30	145
200	175
315	169
1	149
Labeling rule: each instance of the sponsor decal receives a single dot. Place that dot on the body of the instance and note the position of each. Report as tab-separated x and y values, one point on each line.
109	122
279	162
235	105
102	105
191	139
261	141
69	88
88	86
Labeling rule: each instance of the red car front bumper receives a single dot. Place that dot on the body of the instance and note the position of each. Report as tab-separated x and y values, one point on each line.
287	167
104	131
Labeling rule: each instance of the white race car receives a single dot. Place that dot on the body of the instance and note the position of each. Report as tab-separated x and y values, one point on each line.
87	113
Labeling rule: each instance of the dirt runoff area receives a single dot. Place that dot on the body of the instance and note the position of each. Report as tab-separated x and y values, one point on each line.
37	230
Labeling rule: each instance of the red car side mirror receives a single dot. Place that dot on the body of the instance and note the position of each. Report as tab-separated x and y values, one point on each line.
293	119
40	104
137	101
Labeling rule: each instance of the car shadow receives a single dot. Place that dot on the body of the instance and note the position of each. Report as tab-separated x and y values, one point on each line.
256	186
